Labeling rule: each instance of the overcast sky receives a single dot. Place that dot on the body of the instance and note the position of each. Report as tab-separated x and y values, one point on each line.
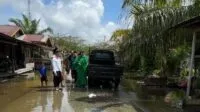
91	19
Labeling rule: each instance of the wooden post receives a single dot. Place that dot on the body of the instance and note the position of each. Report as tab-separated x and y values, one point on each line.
191	65
13	58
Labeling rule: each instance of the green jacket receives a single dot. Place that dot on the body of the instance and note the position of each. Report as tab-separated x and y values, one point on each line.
81	63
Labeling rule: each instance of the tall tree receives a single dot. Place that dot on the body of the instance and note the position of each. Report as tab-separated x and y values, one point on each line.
152	29
157	3
68	43
29	26
120	34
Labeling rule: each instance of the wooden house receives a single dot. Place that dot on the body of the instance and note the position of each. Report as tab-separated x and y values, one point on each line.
18	50
41	52
11	30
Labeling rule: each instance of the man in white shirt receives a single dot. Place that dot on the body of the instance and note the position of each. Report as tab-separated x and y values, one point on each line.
57	68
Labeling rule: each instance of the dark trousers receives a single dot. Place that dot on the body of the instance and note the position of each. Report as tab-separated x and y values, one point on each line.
74	75
57	78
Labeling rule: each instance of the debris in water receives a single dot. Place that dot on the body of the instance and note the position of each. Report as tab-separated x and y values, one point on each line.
92	95
30	76
101	86
4	81
140	82
93	110
175	98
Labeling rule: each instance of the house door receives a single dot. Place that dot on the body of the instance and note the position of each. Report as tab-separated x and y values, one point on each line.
19	57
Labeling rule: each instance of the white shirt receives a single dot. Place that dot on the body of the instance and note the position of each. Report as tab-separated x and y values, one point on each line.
56	64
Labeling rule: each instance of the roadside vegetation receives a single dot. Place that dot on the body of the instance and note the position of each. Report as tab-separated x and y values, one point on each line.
152	45
69	43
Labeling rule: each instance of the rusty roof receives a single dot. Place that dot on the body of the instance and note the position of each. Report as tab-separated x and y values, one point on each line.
9	30
192	23
33	38
10	40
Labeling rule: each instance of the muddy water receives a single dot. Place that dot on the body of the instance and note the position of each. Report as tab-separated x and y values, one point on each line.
14	88
26	95
23	94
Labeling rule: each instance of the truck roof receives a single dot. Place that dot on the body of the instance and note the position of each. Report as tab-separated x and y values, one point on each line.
102	50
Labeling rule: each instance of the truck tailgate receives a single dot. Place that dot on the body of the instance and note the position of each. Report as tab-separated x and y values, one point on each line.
105	70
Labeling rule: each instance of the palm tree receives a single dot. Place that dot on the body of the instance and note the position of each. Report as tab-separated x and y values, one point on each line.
120	34
29	26
158	3
152	21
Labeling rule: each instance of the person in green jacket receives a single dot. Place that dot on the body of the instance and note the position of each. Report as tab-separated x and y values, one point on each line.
73	66
81	64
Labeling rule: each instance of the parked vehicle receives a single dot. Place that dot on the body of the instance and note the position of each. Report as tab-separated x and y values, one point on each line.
102	67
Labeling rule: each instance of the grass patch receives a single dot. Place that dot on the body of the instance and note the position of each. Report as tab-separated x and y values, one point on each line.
133	76
129	84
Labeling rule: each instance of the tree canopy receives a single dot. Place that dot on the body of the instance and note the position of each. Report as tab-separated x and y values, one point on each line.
153	36
29	26
68	43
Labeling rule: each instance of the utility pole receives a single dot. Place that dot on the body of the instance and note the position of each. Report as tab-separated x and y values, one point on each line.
29	9
191	65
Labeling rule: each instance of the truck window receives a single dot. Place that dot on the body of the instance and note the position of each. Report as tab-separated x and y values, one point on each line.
103	58
107	56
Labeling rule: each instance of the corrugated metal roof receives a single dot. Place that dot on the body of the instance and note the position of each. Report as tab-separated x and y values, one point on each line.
45	39
34	38
189	23
9	39
9	30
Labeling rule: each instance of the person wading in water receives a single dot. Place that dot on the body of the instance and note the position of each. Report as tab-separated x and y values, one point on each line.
73	66
81	64
57	69
43	74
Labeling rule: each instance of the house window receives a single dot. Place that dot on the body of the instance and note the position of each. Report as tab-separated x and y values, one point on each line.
27	52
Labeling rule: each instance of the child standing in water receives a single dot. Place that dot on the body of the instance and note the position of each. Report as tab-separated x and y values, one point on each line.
43	74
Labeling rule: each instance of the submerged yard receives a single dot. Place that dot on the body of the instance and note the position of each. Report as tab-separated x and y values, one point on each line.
131	97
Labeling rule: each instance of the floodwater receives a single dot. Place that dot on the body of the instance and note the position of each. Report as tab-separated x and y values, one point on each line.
25	95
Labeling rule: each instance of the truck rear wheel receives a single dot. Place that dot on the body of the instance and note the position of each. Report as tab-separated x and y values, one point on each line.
117	81
90	82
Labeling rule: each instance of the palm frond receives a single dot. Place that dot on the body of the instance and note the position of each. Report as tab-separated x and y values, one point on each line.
46	30
29	26
155	3
34	26
120	33
26	21
151	34
18	23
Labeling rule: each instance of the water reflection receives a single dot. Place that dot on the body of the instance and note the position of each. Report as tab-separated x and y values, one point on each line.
52	101
70	99
57	101
43	101
28	96
66	106
150	98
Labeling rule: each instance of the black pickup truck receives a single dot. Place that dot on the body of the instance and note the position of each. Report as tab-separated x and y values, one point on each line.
102	67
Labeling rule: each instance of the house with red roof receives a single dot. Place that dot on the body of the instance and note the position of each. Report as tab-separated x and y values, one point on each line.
11	30
7	46
43	40
11	55
40	53
19	49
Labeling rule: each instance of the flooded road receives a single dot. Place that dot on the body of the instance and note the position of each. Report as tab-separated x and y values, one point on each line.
26	95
